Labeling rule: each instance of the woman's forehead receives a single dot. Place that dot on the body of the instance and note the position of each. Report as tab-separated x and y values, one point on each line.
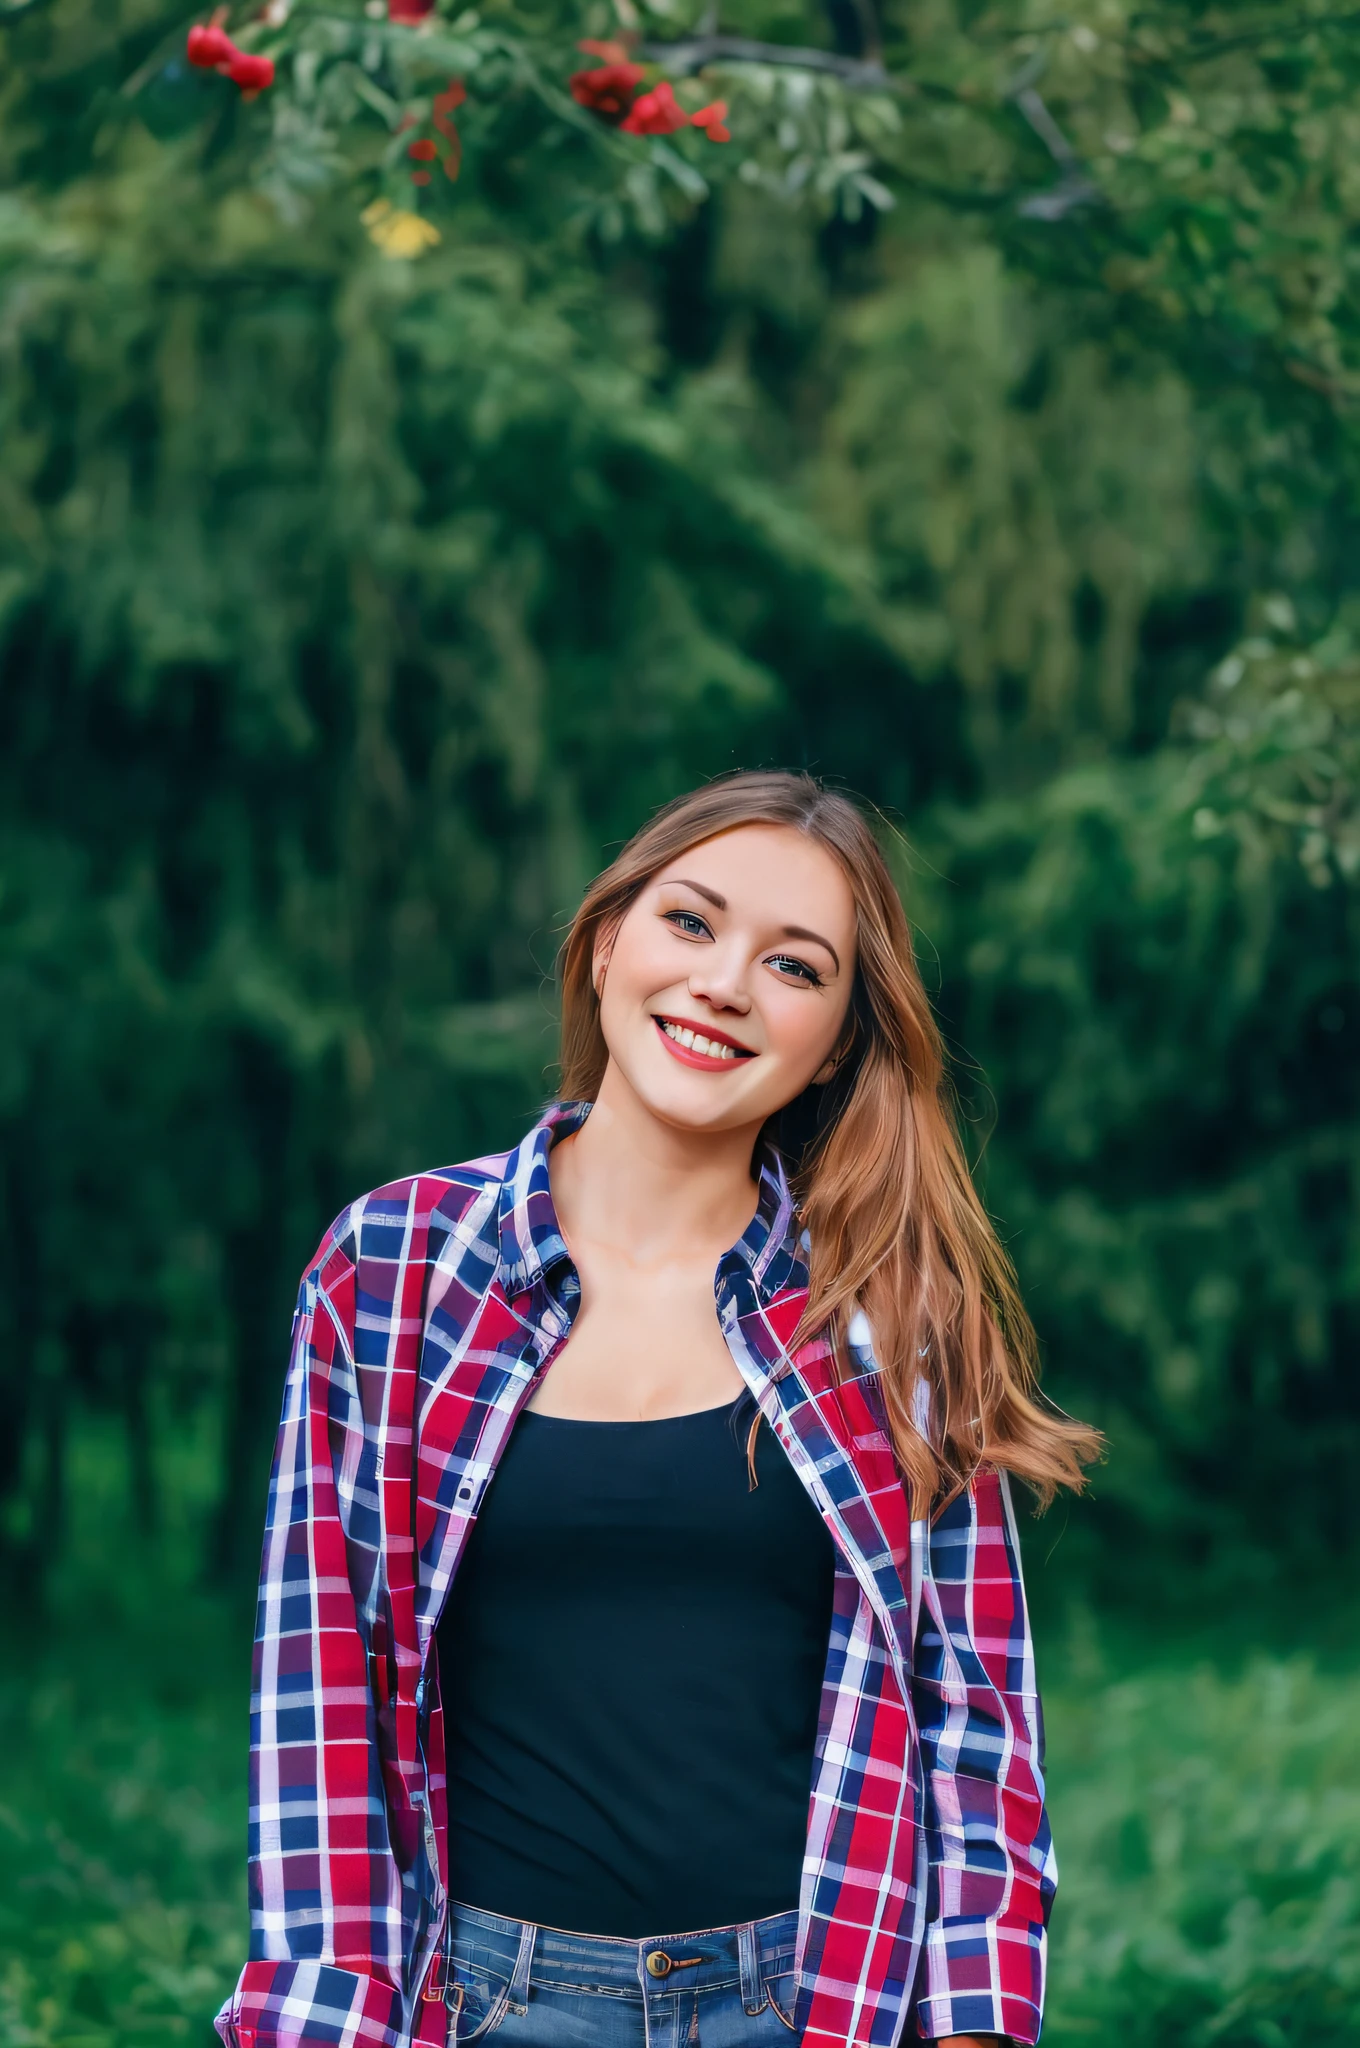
758	855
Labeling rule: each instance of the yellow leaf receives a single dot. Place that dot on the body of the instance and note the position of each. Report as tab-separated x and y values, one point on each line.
396	232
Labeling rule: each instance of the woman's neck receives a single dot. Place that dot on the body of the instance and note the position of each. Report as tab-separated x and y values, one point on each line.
627	1180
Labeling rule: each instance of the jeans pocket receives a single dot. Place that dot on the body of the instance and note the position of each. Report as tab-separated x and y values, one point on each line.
477	2000
782	1990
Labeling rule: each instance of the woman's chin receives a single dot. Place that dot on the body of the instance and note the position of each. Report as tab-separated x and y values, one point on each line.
687	1099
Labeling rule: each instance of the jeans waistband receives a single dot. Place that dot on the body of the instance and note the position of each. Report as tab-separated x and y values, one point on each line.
707	1959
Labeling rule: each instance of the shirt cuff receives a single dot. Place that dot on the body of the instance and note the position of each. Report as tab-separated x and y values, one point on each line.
310	2005
981	1977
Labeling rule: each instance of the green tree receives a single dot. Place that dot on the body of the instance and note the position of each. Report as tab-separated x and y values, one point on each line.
352	605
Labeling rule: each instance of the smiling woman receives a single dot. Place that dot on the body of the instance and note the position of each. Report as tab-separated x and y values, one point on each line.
575	1723
716	1007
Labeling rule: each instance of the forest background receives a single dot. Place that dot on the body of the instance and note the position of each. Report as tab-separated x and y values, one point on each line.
979	432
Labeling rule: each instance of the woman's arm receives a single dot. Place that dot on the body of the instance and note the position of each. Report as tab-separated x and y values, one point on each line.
326	1924
992	1868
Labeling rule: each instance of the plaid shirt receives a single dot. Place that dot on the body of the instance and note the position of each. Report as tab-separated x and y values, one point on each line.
430	1312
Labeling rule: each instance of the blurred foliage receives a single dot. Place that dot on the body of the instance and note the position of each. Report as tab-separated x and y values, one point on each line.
351	608
1196	159
122	1793
1154	964
1211	1852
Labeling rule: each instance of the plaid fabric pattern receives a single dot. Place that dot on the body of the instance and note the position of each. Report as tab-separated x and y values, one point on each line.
430	1310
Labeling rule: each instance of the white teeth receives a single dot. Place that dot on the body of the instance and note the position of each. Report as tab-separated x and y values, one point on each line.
694	1041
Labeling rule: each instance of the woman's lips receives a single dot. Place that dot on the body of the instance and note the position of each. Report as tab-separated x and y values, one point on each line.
689	1056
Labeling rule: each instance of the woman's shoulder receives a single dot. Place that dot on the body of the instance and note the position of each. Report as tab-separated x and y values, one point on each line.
412	1220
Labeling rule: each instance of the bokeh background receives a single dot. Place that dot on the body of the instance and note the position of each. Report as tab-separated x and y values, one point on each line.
353	609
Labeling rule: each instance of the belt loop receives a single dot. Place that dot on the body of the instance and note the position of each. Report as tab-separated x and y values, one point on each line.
517	1990
437	1978
752	1996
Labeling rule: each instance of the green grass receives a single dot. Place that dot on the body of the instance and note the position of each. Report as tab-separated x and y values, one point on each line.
123	1729
1208	1828
1207	1816
122	1894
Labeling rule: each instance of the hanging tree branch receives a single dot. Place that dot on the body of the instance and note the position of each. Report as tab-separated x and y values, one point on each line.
691	53
1074	187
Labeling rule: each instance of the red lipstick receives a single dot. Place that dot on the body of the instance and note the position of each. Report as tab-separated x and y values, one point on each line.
709	1063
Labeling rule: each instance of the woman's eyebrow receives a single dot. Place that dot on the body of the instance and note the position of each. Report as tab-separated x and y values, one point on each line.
709	895
798	931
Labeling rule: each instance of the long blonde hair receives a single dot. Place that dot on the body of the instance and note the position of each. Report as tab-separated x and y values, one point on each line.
895	1223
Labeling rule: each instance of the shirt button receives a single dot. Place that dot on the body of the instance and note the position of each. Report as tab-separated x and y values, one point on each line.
658	1963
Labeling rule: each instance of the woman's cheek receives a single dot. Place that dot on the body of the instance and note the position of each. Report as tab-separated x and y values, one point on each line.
795	1035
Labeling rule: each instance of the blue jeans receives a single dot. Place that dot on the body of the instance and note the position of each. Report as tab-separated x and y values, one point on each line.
538	1987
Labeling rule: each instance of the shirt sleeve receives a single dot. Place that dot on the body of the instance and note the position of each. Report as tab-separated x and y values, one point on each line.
327	1934
992	1868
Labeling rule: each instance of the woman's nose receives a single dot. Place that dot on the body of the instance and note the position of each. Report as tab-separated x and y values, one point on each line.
721	982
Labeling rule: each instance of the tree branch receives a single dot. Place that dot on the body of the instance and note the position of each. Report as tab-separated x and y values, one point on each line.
1074	188
691	53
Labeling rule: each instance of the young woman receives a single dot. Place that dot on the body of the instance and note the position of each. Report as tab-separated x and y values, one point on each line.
654	1475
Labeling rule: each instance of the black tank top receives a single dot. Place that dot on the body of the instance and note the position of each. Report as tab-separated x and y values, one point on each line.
631	1662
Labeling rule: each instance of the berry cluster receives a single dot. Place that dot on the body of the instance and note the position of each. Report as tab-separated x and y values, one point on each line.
212	49
611	92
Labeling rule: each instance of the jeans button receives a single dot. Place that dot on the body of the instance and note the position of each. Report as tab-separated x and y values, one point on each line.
659	1963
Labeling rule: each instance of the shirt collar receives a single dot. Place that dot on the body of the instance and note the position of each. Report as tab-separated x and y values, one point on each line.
770	1250
531	1242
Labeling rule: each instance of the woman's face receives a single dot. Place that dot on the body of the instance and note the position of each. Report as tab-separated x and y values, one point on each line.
727	984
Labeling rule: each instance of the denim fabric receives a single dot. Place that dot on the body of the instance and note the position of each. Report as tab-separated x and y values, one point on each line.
538	1987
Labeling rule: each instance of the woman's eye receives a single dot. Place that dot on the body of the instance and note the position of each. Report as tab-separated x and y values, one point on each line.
798	968
688	922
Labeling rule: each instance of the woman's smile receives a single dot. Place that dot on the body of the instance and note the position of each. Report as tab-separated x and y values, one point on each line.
696	1046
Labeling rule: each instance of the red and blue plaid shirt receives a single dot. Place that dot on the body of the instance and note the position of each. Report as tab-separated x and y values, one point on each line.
429	1314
